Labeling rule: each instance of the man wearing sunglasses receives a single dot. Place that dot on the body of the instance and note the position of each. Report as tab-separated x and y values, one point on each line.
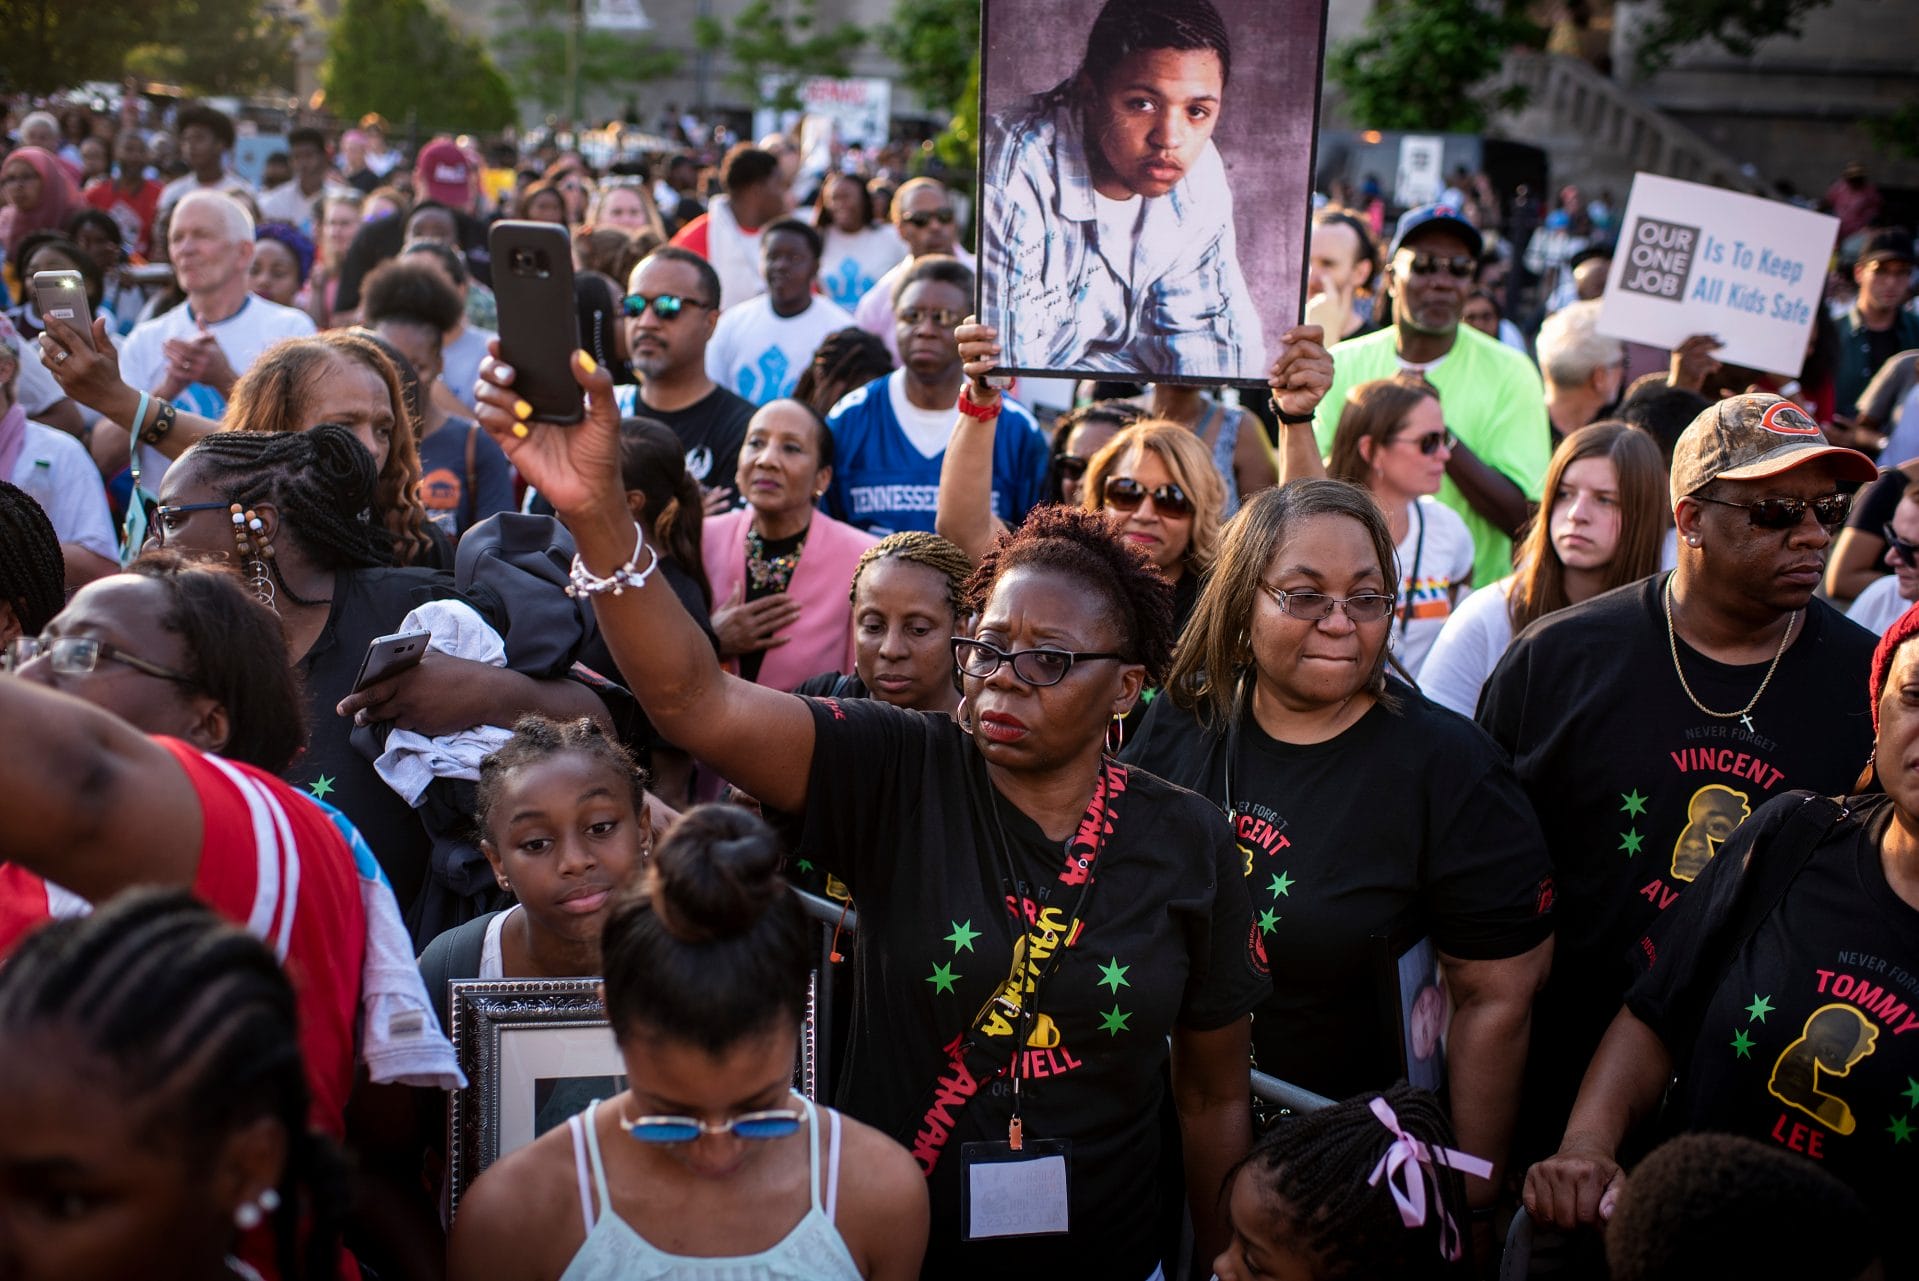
1106	227
761	345
670	311
928	224
1878	607
1647	723
1492	395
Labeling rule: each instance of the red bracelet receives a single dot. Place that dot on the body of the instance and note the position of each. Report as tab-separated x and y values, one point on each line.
973	409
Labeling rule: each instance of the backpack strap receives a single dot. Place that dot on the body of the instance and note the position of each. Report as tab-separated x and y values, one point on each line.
458	957
472	481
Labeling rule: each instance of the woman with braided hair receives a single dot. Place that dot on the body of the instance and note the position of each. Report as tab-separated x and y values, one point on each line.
909	596
1319	1199
32	570
848	359
1028	905
154	1108
288	510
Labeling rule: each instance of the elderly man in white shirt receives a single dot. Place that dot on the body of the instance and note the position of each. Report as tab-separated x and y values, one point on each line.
1107	240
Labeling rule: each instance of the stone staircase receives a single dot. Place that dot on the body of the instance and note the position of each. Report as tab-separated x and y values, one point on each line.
1595	134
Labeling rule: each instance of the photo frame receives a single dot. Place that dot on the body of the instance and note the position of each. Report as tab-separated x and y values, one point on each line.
534	1051
1212	232
1417	1007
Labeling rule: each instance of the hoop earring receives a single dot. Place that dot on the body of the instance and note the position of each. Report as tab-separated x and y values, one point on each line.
1115	735
960	716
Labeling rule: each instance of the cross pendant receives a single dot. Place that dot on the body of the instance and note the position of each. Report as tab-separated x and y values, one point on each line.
1745	718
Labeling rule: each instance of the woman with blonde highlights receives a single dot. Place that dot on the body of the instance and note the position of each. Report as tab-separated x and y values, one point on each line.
1156	483
1602	528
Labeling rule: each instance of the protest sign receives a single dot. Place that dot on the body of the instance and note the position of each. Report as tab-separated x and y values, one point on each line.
1698	260
1146	184
860	108
1417	181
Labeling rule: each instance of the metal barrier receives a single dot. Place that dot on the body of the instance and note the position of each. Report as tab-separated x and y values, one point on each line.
843	919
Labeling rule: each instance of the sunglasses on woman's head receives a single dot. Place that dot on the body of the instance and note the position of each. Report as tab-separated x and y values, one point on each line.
1125	494
942	215
1786	513
1429	443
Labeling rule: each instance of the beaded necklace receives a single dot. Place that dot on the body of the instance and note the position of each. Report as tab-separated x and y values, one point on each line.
770	574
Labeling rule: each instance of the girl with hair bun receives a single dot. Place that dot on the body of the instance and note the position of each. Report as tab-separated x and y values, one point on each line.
1028	905
708	1166
288	510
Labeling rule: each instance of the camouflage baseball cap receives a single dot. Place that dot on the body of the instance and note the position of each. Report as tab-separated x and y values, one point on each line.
1753	436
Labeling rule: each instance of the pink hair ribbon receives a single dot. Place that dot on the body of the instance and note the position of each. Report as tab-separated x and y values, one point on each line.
1407	1166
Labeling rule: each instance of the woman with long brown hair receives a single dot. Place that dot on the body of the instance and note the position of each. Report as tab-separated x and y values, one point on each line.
1392	441
1602	528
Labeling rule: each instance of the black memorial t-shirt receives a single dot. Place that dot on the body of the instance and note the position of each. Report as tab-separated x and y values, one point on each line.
1637	788
1408	824
899	804
1810	1040
711	430
367	604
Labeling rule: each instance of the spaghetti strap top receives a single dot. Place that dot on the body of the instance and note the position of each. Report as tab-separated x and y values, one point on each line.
812	1251
1225	444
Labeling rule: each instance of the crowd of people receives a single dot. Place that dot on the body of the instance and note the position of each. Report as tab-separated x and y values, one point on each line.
1439	727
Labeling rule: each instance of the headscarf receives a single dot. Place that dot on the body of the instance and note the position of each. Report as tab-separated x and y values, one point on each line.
1898	634
59	199
294	239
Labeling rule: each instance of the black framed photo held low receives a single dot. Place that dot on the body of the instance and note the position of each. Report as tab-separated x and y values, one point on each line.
1145	184
535	1051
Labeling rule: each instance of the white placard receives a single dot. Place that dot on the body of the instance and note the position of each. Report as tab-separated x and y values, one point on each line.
616	15
1418	181
1699	260
860	109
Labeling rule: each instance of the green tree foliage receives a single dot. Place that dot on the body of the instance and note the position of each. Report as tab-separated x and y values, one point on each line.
207	46
936	44
781	38
531	49
1737	25
407	61
218	46
1423	64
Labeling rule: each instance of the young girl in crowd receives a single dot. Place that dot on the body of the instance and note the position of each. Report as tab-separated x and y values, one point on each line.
153	1107
1360	1191
1602	529
708	1166
563	819
1392	442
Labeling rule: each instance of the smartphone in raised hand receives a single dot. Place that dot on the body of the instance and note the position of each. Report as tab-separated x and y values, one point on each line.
539	323
64	294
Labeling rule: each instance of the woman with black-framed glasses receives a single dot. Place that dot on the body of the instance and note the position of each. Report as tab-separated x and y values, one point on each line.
707	1165
1017	853
1370	821
1887	597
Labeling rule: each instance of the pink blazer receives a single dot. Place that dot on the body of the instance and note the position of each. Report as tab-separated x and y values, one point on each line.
822	637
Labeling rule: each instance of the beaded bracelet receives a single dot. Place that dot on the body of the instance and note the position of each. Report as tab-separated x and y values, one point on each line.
581	582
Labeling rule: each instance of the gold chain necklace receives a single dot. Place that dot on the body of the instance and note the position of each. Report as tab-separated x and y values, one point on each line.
1744	714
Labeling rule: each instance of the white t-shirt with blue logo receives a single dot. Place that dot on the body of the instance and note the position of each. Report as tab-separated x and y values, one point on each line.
885	479
760	354
853	263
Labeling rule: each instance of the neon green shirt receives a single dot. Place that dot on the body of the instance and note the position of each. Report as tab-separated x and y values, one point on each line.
1493	401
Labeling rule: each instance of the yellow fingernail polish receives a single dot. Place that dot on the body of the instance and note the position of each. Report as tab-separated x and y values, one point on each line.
522	410
519	429
589	363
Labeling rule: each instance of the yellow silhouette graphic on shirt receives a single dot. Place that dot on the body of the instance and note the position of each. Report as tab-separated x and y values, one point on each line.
1835	1037
1712	814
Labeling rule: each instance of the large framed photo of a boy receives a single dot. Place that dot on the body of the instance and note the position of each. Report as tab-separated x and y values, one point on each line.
1146	173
